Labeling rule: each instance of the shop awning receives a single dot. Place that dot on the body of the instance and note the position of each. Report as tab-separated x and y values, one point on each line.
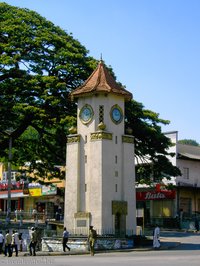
17	194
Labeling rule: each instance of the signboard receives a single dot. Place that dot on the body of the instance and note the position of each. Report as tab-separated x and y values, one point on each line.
32	189
36	189
49	190
35	192
156	195
15	185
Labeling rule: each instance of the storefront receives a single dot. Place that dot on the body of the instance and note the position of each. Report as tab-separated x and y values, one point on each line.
43	198
156	206
16	193
29	196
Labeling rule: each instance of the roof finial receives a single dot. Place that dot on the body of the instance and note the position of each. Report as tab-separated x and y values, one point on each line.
101	58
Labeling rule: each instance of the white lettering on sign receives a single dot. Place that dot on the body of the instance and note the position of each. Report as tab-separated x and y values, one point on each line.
158	195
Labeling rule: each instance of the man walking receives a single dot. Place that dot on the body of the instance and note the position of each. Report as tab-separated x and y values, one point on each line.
92	239
15	242
65	239
8	241
33	242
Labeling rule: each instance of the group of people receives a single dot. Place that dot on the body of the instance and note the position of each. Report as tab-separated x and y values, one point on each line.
11	241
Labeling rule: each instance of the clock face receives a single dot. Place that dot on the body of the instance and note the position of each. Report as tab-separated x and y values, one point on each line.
116	114
86	114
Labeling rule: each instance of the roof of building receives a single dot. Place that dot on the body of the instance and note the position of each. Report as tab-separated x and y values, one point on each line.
188	151
101	81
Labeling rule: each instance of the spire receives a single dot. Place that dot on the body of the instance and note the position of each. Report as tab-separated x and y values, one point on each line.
101	81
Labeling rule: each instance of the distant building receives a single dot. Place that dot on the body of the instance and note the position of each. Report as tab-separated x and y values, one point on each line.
165	206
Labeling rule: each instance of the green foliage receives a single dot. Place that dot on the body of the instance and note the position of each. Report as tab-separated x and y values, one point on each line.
189	142
40	64
151	145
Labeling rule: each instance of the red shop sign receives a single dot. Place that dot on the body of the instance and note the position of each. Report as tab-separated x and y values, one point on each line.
156	195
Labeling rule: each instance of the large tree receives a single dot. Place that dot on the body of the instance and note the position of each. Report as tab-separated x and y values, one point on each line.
40	64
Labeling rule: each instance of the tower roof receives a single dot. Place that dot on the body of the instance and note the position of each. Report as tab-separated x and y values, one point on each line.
101	81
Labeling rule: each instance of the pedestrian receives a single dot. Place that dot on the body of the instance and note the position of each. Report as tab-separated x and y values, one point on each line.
65	239
92	239
20	217
20	242
156	237
8	214
196	224
34	213
16	215
33	242
8	241
1	242
15	242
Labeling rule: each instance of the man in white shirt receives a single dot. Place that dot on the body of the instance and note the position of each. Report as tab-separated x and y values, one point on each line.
15	242
156	238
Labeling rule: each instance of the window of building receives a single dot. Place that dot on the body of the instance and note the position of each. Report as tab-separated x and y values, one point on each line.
85	138
116	173
185	173
116	159
101	113
186	206
116	140
85	158
115	187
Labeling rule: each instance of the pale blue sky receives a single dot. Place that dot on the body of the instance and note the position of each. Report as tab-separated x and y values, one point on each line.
153	47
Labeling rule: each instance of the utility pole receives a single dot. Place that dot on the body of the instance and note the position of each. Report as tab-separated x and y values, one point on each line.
9	174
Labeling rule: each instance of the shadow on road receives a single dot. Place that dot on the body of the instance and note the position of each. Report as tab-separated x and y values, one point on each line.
188	246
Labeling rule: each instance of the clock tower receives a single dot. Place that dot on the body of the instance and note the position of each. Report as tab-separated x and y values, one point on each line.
100	171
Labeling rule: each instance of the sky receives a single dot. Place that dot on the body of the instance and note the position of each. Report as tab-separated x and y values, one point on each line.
153	47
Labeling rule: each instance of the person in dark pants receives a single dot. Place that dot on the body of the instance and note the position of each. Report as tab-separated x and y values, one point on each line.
65	239
33	242
8	241
15	242
196	224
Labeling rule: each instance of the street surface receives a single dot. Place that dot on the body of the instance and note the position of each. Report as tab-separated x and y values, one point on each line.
189	241
143	258
187	253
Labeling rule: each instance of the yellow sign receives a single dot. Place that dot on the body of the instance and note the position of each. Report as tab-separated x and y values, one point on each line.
35	192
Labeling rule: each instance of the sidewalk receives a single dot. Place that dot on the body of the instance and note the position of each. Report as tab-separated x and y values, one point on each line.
165	245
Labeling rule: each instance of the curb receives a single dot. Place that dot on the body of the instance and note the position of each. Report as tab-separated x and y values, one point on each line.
139	249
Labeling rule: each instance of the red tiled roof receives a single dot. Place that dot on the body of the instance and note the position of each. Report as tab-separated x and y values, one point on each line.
101	81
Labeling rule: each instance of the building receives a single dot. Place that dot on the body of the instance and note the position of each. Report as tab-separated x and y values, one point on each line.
28	196
179	205
100	180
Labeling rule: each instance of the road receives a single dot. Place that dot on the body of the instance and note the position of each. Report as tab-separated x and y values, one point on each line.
188	253
149	258
188	240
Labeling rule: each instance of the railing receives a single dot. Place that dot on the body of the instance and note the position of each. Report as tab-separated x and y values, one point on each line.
29	217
